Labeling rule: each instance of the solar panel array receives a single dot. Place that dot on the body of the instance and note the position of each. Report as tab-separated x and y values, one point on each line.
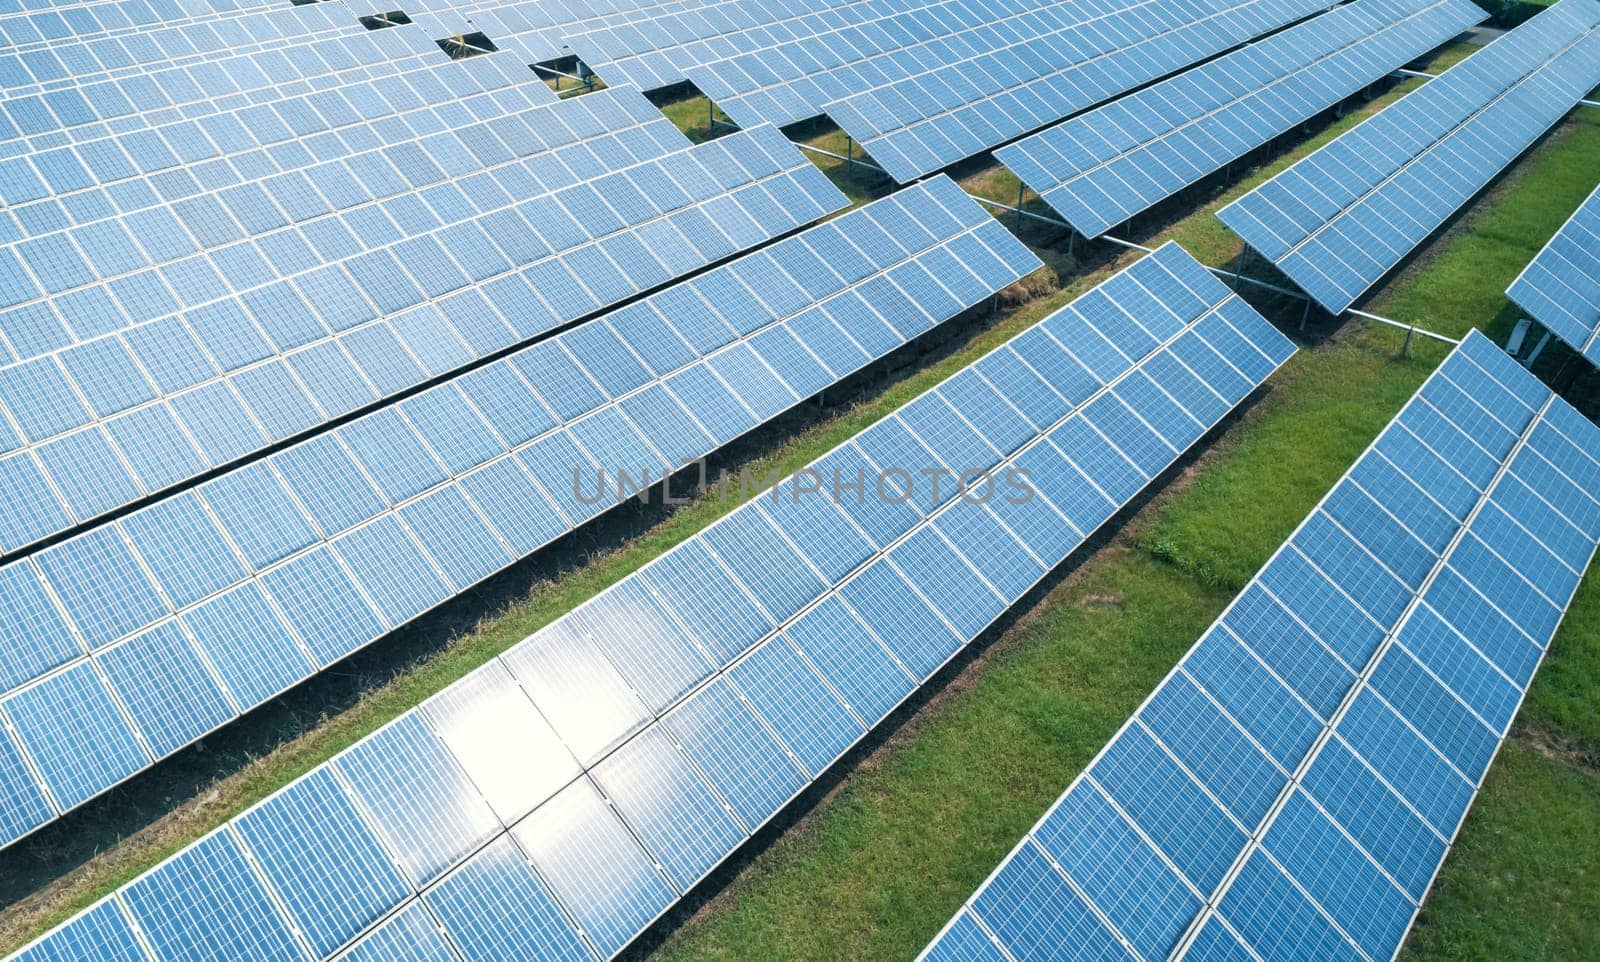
62	88
552	804
149	347
1290	790
71	42
1340	219
34	25
129	642
1100	168
61	67
1560	287
534	30
781	76
1022	80
654	51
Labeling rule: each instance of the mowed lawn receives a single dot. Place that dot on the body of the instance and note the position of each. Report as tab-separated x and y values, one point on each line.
874	868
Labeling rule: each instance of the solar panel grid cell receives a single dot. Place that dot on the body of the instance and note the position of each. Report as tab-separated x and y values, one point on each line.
1377	746
581	846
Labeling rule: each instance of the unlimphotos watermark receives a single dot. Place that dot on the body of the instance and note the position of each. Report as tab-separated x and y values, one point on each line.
897	484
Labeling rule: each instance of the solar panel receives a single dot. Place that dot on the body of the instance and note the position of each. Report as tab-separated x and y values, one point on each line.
791	79
749	657
254	164
182	615
63	47
1560	287
1019	81
534	29
172	47
39	25
1291	788
1100	168
1343	217
56	91
653	52
244	318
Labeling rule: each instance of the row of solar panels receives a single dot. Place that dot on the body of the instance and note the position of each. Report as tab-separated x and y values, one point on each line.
534	30
1560	287
653	52
253	333
761	75
1102	167
87	76
1290	790
926	86
130	641
554	803
1339	220
927	122
795	81
22	25
56	48
129	122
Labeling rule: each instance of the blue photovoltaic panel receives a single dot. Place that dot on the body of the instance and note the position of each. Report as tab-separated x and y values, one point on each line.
592	857
310	839
1100	168
1019	78
654	51
178	907
763	77
445	248
40	44
1297	780
1560	288
535	30
128	64
1339	220
203	606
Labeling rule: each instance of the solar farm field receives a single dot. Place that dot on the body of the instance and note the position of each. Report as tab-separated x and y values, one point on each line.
720	726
